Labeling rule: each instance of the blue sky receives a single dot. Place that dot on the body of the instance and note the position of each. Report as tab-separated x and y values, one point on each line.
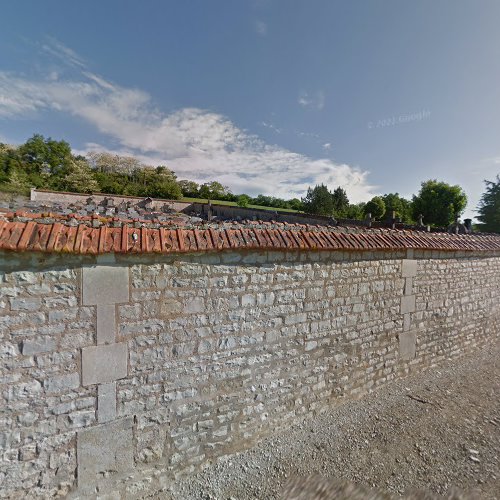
264	95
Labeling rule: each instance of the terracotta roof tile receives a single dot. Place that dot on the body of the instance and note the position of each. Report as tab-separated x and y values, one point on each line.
22	231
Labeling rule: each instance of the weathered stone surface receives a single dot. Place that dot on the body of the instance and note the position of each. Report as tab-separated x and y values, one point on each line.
104	363
106	324
407	345
408	304
194	305
104	285
62	383
103	450
406	322
408	286
106	402
30	347
25	304
409	268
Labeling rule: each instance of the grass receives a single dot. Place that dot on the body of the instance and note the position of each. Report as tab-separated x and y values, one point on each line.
234	204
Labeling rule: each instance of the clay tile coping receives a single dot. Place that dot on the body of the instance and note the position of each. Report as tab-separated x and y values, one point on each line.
58	236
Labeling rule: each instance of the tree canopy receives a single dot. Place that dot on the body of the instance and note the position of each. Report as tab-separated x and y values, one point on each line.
340	202
395	203
318	200
439	203
375	207
214	191
79	178
189	188
243	200
41	154
489	207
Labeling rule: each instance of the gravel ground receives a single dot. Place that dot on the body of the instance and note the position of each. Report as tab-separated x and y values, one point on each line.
434	432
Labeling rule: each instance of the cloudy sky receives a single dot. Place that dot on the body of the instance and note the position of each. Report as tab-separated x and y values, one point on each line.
266	96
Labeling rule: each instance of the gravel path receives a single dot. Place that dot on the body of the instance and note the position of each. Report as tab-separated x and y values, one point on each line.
433	431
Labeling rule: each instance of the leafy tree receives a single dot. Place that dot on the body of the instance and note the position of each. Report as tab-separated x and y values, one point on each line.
262	200
355	211
105	162
4	157
489	207
6	149
189	188
438	202
295	204
114	184
340	202
402	207
38	152
18	181
375	207
49	163
318	200
243	200
214	191
164	189
80	178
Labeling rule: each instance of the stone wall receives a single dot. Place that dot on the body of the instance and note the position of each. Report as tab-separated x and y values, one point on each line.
119	373
214	210
41	196
230	212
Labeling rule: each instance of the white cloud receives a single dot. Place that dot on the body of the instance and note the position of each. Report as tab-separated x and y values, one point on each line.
197	144
308	135
327	146
261	28
57	49
271	126
100	81
314	101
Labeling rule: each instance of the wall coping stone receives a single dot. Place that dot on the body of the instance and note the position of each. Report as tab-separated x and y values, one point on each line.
57	235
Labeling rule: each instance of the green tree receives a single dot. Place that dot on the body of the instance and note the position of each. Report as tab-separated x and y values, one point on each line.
395	203
164	189
18	182
80	178
340	202
489	207
243	200
375	207
165	174
438	202
165	185
38	152
189	188
214	191
318	200
105	162
5	152
112	183
355	211
296	204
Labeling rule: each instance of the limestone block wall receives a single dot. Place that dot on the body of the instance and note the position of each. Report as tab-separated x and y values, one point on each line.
41	195
43	327
119	373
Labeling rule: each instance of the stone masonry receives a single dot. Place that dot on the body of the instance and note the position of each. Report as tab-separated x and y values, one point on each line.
119	373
